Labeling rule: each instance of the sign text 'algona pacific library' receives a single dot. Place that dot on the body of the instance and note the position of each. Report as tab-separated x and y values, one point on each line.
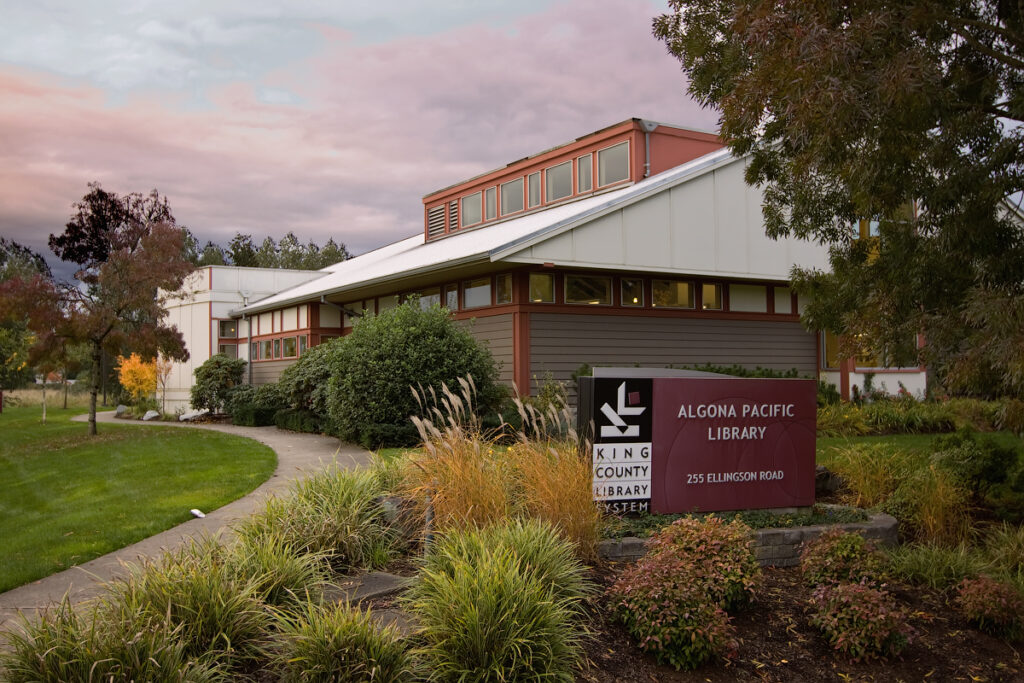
698	442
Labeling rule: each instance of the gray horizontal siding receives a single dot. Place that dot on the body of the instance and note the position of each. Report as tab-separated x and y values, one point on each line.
559	343
496	333
268	372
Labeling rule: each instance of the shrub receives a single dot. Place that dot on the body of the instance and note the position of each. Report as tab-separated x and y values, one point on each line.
841	419
673	600
494	619
872	472
298	420
936	566
938	505
992	606
216	616
61	646
277	573
1011	416
373	368
340	644
978	463
907	416
718	555
1004	546
541	551
214	379
860	621
304	383
137	376
335	512
828	394
256	408
838	556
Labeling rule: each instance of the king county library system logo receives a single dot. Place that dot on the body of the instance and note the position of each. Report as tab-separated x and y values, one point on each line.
618	426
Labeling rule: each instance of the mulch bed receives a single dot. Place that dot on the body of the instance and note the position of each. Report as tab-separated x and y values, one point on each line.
776	643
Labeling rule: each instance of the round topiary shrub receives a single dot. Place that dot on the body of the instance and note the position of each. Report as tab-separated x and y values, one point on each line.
214	380
839	556
373	369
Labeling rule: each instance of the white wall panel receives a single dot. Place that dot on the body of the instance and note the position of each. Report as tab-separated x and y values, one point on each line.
783	300
693	224
555	250
290	319
266	324
601	242
329	316
647	232
303	317
732	229
748	298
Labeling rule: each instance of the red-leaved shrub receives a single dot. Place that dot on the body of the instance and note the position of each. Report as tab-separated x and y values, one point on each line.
860	621
839	556
993	606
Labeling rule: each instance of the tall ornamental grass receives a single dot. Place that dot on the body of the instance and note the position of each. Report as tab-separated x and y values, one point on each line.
336	513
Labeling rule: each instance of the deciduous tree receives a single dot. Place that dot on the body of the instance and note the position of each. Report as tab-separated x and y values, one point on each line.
861	110
137	376
124	266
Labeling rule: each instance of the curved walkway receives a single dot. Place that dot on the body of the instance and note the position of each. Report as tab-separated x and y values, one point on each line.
297	455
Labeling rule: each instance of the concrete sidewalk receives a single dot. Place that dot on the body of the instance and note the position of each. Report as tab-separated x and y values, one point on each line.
297	455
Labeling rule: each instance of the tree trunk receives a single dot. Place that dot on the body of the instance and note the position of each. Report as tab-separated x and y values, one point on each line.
65	379
97	359
44	397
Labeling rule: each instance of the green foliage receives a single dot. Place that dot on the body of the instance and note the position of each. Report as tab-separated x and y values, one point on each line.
540	550
218	617
860	621
992	606
340	644
978	463
255	406
62	646
828	394
907	416
298	420
305	383
673	600
277	573
841	419
214	381
838	556
373	368
1011	416
867	110
335	512
491	616
644	524
939	567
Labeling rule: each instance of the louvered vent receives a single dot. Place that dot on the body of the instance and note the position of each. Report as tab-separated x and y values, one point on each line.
435	221
453	216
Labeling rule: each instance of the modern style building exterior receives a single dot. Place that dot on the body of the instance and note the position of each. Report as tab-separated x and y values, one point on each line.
639	244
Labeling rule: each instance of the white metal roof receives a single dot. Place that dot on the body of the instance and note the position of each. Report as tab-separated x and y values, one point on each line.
414	256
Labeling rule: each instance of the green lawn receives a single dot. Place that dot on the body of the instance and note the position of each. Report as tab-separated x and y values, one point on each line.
66	498
908	442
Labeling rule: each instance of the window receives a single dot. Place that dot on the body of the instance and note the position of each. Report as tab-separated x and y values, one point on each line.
490	203
613	164
711	296
830	351
228	329
534	183
512	196
783	300
277	348
588	289
632	292
584	173
671	294
288	347
559	181
385	303
476	293
542	288
451	297
471	209
267	351
302	344
429	297
503	289
229	350
254	351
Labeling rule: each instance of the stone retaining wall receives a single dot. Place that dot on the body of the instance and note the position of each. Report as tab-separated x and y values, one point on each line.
772	547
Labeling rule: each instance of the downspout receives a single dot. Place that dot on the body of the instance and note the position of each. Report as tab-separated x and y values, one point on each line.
648	127
248	344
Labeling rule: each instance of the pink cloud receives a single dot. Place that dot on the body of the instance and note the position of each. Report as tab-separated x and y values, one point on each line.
375	127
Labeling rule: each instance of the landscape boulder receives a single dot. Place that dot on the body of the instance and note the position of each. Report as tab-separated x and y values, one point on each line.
190	415
151	415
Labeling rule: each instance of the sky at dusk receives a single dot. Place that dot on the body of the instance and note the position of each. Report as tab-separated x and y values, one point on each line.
326	118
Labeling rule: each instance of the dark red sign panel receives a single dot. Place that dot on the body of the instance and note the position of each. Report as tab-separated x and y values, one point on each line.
732	444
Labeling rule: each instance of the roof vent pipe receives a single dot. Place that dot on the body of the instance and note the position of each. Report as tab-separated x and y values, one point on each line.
648	127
